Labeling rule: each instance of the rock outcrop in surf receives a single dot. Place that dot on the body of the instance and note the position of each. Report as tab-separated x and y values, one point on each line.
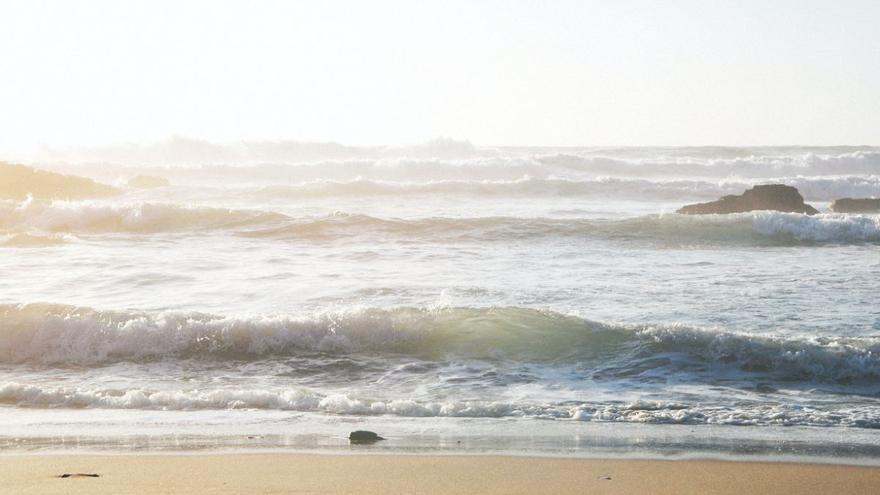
778	197
19	181
856	205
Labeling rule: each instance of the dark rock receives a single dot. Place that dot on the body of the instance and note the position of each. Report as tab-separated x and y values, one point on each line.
778	197
362	436
857	205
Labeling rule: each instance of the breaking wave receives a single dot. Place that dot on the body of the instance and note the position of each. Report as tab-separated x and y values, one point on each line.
757	228
819	228
303	399
812	188
63	335
24	223
507	164
747	163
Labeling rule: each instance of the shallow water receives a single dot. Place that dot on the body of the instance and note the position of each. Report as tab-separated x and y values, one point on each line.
506	291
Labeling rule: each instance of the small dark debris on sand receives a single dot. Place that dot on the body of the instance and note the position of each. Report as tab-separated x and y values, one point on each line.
79	475
363	436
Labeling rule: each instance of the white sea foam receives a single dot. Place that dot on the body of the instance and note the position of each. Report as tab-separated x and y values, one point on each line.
64	334
655	412
453	163
820	228
755	165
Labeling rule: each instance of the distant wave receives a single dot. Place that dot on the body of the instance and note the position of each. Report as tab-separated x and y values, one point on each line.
812	188
524	186
862	162
61	335
831	188
513	164
96	217
756	228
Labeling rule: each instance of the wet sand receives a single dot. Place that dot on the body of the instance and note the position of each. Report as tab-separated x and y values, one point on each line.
410	474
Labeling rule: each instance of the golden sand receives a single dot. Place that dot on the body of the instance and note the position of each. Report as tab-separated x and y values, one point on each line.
411	474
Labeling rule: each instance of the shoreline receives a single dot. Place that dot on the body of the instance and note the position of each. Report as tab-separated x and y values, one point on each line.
428	452
367	473
93	431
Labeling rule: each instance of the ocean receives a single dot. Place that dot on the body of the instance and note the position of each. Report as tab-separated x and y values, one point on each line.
516	300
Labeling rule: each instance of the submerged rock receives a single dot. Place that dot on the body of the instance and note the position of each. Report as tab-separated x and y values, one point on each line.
856	205
363	436
778	197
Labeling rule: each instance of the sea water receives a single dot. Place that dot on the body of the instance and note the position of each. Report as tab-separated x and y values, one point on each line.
496	300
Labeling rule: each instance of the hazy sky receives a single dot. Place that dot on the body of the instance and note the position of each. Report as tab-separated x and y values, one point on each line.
379	72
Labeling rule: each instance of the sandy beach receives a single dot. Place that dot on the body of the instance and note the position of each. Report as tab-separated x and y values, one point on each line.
389	474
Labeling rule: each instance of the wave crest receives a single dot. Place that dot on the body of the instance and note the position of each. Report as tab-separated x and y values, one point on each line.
57	334
513	163
767	227
755	228
820	228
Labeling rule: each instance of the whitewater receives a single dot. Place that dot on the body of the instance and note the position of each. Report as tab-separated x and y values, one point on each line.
454	297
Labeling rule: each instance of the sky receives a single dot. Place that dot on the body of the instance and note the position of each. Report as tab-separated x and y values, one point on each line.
558	73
